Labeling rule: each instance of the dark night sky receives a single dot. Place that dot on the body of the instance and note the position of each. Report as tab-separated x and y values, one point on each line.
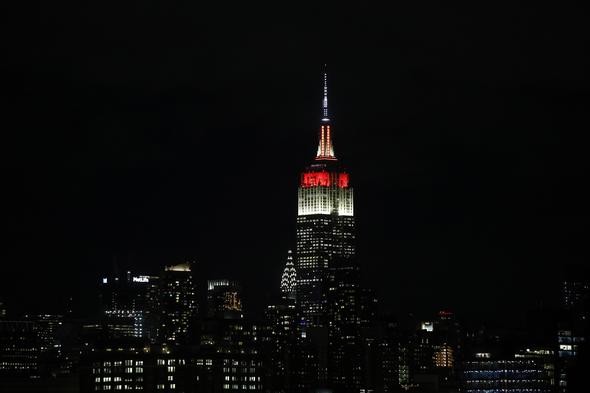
160	133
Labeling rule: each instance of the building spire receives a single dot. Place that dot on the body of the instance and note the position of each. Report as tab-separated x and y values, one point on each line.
289	278
325	148
325	115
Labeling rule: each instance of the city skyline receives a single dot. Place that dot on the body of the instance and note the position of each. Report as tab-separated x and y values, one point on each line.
245	197
468	165
322	328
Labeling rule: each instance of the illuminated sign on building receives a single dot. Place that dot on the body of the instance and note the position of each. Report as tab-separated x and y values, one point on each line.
141	279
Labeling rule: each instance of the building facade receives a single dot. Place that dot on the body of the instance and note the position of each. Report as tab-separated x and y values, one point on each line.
491	376
224	299
177	304
129	305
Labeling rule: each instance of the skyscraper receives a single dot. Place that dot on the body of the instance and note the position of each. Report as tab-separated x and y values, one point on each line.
128	304
224	299
325	225
327	270
177	302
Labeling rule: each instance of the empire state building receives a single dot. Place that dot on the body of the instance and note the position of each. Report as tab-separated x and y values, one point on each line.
325	229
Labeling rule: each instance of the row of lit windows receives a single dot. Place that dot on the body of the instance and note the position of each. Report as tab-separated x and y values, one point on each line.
116	379
6	347
243	378
17	366
227	386
128	362
163	362
505	371
127	370
491	382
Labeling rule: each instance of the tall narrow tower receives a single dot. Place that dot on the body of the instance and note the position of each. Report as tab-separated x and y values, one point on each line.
289	278
325	225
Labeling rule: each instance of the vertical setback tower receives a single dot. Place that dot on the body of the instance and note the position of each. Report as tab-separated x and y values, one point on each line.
325	226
